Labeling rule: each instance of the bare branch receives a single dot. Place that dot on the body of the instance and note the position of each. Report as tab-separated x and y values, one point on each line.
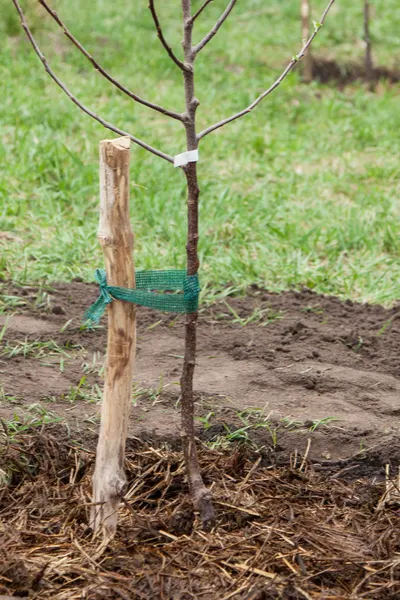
99	68
198	13
162	39
75	100
216	27
295	59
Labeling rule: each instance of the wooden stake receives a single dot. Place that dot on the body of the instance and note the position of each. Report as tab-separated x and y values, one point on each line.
305	34
116	237
369	67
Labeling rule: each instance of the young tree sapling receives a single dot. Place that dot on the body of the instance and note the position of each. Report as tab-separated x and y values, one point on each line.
200	494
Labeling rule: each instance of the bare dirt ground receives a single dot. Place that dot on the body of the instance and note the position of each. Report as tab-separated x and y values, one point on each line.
298	418
313	366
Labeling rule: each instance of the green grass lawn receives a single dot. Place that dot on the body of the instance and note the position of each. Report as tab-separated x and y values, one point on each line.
304	191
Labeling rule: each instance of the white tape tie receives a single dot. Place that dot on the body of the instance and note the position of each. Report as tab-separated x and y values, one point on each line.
181	160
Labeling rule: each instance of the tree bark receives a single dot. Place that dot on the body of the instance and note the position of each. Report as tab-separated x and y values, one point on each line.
200	495
305	34
369	68
116	237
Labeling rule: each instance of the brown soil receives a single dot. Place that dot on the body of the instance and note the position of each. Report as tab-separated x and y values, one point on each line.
297	518
326	71
308	358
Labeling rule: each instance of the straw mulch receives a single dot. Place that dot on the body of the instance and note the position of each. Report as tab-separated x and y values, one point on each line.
282	532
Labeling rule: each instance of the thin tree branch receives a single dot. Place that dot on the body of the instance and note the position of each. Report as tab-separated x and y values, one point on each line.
75	100
101	70
198	13
161	37
295	59
216	27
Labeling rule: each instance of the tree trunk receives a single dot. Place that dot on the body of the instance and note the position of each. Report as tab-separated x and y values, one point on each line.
369	69
116	237
200	495
305	34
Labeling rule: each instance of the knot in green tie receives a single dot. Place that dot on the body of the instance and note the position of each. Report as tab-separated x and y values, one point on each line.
101	278
95	312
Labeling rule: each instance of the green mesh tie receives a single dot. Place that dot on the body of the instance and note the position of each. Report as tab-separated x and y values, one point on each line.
146	281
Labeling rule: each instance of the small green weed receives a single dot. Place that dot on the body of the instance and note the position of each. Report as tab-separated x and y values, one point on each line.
317	310
224	441
311	424
66	325
8	303
354	345
7	398
291	423
18	424
42	299
97	365
252	419
205	421
153	325
4	329
33	349
322	422
154	395
386	325
82	392
263	316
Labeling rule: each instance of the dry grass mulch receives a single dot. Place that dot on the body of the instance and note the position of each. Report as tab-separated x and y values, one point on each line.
282	532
